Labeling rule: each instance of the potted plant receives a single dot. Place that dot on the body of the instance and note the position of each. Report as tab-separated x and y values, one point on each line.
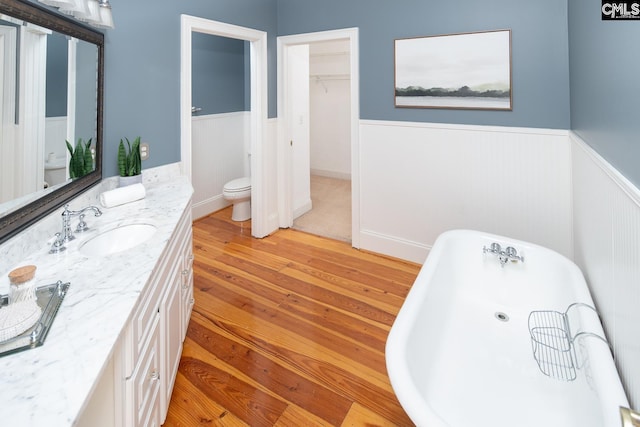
129	162
81	161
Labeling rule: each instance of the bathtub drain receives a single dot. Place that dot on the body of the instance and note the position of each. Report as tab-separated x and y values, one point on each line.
502	316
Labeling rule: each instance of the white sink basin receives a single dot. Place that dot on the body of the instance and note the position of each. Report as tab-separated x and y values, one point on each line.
117	239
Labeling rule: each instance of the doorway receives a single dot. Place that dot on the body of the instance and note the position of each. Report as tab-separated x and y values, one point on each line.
294	151
258	105
220	135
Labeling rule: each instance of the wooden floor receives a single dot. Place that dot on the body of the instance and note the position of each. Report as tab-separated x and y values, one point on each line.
288	330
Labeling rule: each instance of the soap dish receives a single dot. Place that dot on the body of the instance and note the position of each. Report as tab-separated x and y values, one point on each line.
48	301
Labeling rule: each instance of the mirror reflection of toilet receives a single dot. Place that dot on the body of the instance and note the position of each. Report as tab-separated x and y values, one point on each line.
238	192
55	170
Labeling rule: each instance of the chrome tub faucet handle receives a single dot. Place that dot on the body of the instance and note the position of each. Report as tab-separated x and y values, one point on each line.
494	248
512	254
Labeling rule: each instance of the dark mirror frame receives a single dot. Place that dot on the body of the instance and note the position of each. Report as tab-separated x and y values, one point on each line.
16	221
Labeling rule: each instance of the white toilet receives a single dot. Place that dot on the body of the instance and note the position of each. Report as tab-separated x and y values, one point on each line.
238	192
55	170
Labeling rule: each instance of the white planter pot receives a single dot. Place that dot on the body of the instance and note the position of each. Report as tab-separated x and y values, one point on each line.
123	181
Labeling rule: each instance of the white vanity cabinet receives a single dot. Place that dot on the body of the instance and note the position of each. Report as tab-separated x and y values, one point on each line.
113	352
187	285
147	360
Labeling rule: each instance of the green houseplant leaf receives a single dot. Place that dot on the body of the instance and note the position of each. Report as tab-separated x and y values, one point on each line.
88	157
129	160
81	161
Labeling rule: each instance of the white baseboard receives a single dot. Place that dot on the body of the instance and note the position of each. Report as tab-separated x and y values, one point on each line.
302	209
399	248
206	207
331	174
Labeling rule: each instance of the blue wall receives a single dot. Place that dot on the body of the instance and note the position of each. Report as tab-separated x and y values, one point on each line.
219	79
142	88
539	44
605	85
57	64
142	69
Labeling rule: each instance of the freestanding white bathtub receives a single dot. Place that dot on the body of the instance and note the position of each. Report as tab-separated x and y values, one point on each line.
480	344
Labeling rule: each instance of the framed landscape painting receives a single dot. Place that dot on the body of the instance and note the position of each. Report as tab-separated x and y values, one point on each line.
465	71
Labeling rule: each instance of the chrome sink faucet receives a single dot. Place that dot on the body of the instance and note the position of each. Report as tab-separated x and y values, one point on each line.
67	235
509	254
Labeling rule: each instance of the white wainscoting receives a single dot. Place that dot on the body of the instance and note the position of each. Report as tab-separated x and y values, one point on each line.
607	249
419	180
55	134
219	154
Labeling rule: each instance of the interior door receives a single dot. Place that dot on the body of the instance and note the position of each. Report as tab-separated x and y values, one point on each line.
299	134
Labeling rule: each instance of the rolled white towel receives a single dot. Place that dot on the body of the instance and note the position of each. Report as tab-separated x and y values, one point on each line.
122	195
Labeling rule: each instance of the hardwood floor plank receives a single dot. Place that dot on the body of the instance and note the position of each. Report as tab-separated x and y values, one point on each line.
246	402
383	301
306	239
288	330
309	290
348	378
349	267
191	407
296	416
360	416
286	383
303	326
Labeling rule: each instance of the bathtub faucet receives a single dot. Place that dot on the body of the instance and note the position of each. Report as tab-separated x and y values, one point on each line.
509	254
495	249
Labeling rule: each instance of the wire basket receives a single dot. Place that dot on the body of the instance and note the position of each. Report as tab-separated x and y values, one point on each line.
553	342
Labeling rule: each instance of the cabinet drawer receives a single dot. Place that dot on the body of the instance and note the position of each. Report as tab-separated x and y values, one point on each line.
143	387
142	324
150	300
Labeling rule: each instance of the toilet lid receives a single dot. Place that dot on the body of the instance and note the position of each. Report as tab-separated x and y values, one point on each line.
239	184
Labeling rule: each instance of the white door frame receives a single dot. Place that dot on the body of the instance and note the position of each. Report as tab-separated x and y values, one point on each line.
285	210
258	58
8	54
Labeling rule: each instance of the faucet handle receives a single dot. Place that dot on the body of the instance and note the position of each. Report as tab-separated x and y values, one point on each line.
495	248
512	254
57	245
82	225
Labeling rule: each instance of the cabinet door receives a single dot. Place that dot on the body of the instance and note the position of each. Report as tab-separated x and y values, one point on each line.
187	284
171	327
143	387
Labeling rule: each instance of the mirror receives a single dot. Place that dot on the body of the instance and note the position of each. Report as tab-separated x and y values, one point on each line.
51	89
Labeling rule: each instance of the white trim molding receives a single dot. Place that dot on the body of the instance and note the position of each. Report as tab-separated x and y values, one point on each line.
259	110
285	209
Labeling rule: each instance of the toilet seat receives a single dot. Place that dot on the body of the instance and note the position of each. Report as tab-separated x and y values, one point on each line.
238	185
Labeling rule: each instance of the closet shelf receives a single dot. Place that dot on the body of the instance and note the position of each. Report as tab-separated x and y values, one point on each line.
318	77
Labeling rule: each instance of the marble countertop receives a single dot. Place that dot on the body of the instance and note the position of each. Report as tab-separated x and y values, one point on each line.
50	385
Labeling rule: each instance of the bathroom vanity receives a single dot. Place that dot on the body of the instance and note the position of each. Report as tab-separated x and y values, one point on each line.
112	354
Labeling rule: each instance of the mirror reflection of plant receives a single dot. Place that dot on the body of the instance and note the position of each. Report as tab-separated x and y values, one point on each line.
129	160
81	162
